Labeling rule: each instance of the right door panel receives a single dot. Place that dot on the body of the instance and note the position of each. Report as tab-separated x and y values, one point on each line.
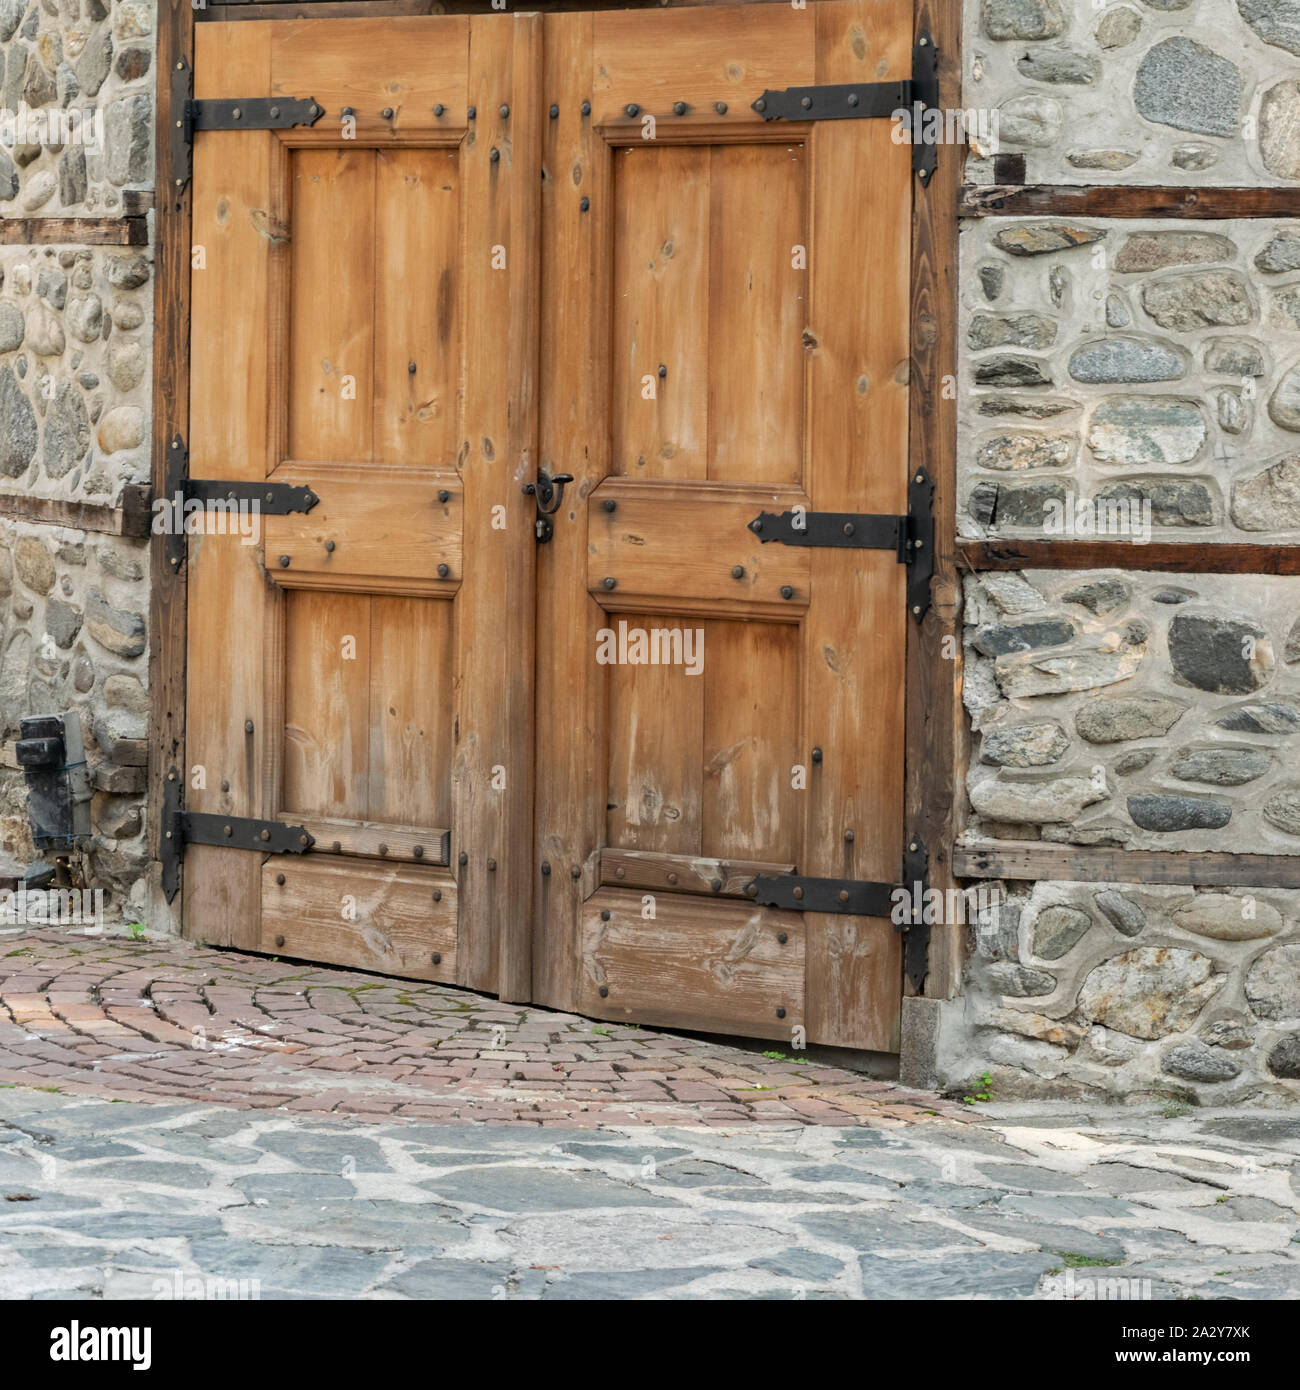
725	331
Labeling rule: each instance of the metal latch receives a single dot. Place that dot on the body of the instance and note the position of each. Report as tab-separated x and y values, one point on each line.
906	100
910	537
237	113
861	898
181	828
264	499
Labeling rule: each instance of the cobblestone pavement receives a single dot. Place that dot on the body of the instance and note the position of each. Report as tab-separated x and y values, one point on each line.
117	1183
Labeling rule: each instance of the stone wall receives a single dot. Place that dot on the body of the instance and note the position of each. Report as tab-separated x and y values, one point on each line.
1144	91
75	349
90	57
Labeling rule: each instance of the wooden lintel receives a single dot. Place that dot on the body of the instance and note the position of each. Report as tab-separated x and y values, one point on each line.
129	517
1013	860
1173	557
1124	200
74	231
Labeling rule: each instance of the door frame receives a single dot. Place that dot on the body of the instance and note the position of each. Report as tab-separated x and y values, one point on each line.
936	740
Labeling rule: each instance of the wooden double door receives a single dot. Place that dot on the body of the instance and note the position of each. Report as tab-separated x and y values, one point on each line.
543	756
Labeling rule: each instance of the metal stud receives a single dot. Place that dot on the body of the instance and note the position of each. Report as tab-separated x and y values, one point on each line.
555	111
304	840
806	103
609	583
438	108
418	851
844	895
279	878
848	528
576	871
275	111
546	868
584	205
797	894
337	847
279	941
817	755
383	850
604	991
663	371
760	105
492	866
620	872
720	107
852	98
225	786
284	562
443	495
329	545
848	837
586	108
387	113
716	885
248	726
437	895
436	958
443	571
410	367
786	591
264	835
780	1013
672	880
782	938
463	858
609	504
679	108
495	156
604	916
227	831
504	112
631	109
738	571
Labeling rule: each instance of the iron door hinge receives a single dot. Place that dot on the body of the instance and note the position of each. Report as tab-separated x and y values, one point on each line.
906	101
238	113
911	537
862	898
181	828
262	499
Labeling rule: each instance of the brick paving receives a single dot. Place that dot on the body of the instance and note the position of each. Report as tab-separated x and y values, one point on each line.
169	1021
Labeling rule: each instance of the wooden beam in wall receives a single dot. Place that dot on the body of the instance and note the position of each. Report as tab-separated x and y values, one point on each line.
74	231
1173	557
1124	200
1096	864
130	517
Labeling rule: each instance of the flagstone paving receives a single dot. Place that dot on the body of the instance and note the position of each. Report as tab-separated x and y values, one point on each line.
136	1163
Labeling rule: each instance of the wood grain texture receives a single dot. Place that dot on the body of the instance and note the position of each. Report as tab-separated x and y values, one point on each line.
74	231
1092	864
711	967
682	873
1176	557
937	736
1119	200
131	516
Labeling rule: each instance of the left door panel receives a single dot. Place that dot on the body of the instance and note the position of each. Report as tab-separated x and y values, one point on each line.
365	668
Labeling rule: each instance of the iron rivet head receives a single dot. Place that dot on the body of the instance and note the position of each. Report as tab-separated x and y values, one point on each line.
383	849
575	872
410	367
751	890
918	544
806	103
848	528
555	111
716	885
620	872
756	525
631	109
672	880
329	545
337	847
437	895
586	108
171	776
236	113
275	111
848	837
604	991
738	571
720	107
584	205
348	111
546	868
609	504
279	941
913	847
505	112
817	755
304	840
604	916
418	851
492	866
760	105
284	562
463	858
472	113
443	571
444	495
844	895
609	583
786	591
917	610
438	108
679	108
227	831
437	958
279	878
923	41
387	113
264	835
797	894
780	1013
853	98
782	937
495	156
663	371
248	726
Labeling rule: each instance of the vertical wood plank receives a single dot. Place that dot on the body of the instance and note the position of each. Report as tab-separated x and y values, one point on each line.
857	461
229	413
661	308
492	825
332	305
572	711
417	235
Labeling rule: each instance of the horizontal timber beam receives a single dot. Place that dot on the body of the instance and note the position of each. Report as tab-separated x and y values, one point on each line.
1097	864
1174	557
1123	200
130	517
74	231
